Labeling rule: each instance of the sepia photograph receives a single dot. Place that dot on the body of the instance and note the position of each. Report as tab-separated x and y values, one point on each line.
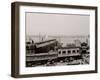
54	39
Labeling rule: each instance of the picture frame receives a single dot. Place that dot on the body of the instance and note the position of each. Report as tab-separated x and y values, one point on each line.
42	55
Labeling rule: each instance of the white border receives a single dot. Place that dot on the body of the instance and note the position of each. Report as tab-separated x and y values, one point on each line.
36	70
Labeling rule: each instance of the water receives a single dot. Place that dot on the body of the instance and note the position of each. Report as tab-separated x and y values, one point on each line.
61	39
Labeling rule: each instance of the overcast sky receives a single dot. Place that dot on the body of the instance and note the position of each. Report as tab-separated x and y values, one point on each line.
56	24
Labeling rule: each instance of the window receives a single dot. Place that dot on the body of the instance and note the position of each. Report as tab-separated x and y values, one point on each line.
59	52
73	51
28	42
69	51
27	47
83	51
64	52
77	51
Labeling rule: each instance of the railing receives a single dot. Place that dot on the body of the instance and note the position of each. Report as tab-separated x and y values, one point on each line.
41	54
68	55
40	58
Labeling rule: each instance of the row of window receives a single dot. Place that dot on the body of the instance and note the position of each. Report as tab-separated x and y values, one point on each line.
69	51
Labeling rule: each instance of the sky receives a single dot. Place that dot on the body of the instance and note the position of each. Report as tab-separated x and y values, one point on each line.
57	24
